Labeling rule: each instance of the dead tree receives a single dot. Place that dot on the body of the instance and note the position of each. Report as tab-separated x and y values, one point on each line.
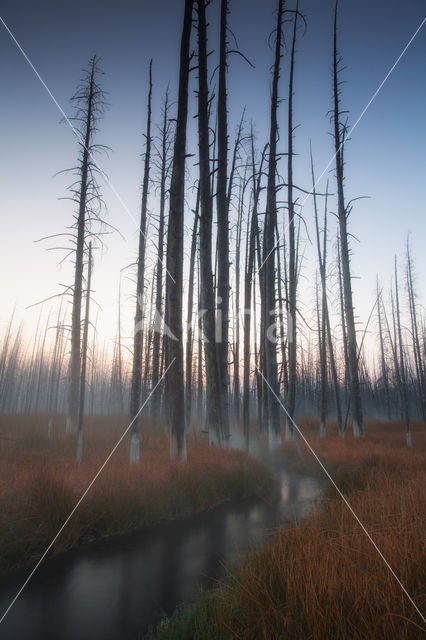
213	402
189	331
343	214
136	382
252	236
236	340
56	364
222	208
399	347
344	340
283	304
292	259
417	351
174	276
322	362
84	350
199	348
236	337
147	374
268	279
327	338
383	365
89	100
164	168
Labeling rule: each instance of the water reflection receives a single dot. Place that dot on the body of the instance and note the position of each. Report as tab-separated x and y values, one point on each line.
116	589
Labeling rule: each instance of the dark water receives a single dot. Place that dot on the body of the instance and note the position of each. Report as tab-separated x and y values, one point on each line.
114	590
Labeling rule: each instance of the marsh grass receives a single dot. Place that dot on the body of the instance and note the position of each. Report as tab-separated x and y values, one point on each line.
322	579
40	484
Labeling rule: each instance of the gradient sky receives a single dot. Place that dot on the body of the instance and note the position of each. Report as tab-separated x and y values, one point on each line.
386	157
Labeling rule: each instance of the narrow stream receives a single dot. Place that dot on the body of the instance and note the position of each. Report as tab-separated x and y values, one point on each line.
116	589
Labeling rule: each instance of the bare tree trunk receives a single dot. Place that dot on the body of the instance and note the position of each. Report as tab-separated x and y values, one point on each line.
200	385
149	339
237	278
268	268
394	348
136	384
55	373
213	400
343	213
189	334
174	288
75	359
222	285
253	235
402	371
385	376
164	162
236	337
322	364
418	360
344	339
292	261
326	329
84	348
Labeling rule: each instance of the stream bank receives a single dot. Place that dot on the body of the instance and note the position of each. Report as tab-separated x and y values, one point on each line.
117	589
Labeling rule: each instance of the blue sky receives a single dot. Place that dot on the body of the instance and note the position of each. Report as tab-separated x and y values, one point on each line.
386	157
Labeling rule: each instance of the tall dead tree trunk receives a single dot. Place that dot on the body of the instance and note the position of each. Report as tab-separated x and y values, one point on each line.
84	348
344	340
417	352
383	366
213	401
222	285
343	213
147	374
136	384
402	366
164	168
56	361
236	337
326	328
90	103
292	261
189	331
237	273
253	235
269	250
322	363
200	384
174	276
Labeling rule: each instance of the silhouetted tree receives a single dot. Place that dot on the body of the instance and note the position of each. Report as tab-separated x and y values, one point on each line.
213	401
89	100
268	279
343	214
136	383
174	275
84	350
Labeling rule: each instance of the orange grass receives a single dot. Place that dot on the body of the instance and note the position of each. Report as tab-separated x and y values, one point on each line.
40	483
322	579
